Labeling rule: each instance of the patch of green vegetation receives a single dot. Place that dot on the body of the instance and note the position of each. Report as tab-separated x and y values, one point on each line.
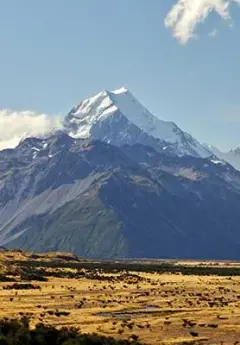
83	226
22	286
18	332
38	267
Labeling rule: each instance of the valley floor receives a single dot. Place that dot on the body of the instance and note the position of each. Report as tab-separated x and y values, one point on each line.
153	307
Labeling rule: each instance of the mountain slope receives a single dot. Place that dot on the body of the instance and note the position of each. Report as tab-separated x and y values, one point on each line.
98	200
232	156
118	118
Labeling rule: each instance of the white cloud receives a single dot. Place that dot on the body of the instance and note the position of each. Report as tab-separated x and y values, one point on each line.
185	15
15	126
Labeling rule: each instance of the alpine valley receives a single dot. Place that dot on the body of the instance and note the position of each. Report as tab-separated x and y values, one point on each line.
119	182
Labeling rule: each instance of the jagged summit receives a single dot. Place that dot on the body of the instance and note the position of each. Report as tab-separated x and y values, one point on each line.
236	151
232	156
117	117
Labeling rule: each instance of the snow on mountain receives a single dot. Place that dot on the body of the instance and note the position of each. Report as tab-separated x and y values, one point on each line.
118	118
232	156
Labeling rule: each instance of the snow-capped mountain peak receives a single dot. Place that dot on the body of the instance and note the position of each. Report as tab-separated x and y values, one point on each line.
118	117
235	151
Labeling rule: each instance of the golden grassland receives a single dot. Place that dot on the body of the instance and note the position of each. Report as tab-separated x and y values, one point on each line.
158	308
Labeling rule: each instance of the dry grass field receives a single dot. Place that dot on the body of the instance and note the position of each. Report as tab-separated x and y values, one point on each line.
154	307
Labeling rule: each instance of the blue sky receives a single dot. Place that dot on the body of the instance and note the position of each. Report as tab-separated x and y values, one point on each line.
54	53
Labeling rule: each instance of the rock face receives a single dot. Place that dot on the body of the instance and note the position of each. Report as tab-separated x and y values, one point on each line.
99	200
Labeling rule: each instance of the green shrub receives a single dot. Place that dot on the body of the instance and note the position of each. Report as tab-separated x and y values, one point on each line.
18	332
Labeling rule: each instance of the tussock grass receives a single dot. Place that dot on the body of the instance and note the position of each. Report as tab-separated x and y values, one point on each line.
152	306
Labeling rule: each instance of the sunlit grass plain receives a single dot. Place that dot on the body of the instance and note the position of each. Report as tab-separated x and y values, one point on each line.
159	308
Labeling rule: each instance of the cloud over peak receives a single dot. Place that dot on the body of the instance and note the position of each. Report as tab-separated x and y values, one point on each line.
17	125
185	15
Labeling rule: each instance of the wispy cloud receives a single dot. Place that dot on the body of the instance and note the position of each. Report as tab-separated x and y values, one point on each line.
15	126
185	15
213	34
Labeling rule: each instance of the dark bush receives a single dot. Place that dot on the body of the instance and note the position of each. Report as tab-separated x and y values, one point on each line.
18	332
21	286
5	278
121	266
